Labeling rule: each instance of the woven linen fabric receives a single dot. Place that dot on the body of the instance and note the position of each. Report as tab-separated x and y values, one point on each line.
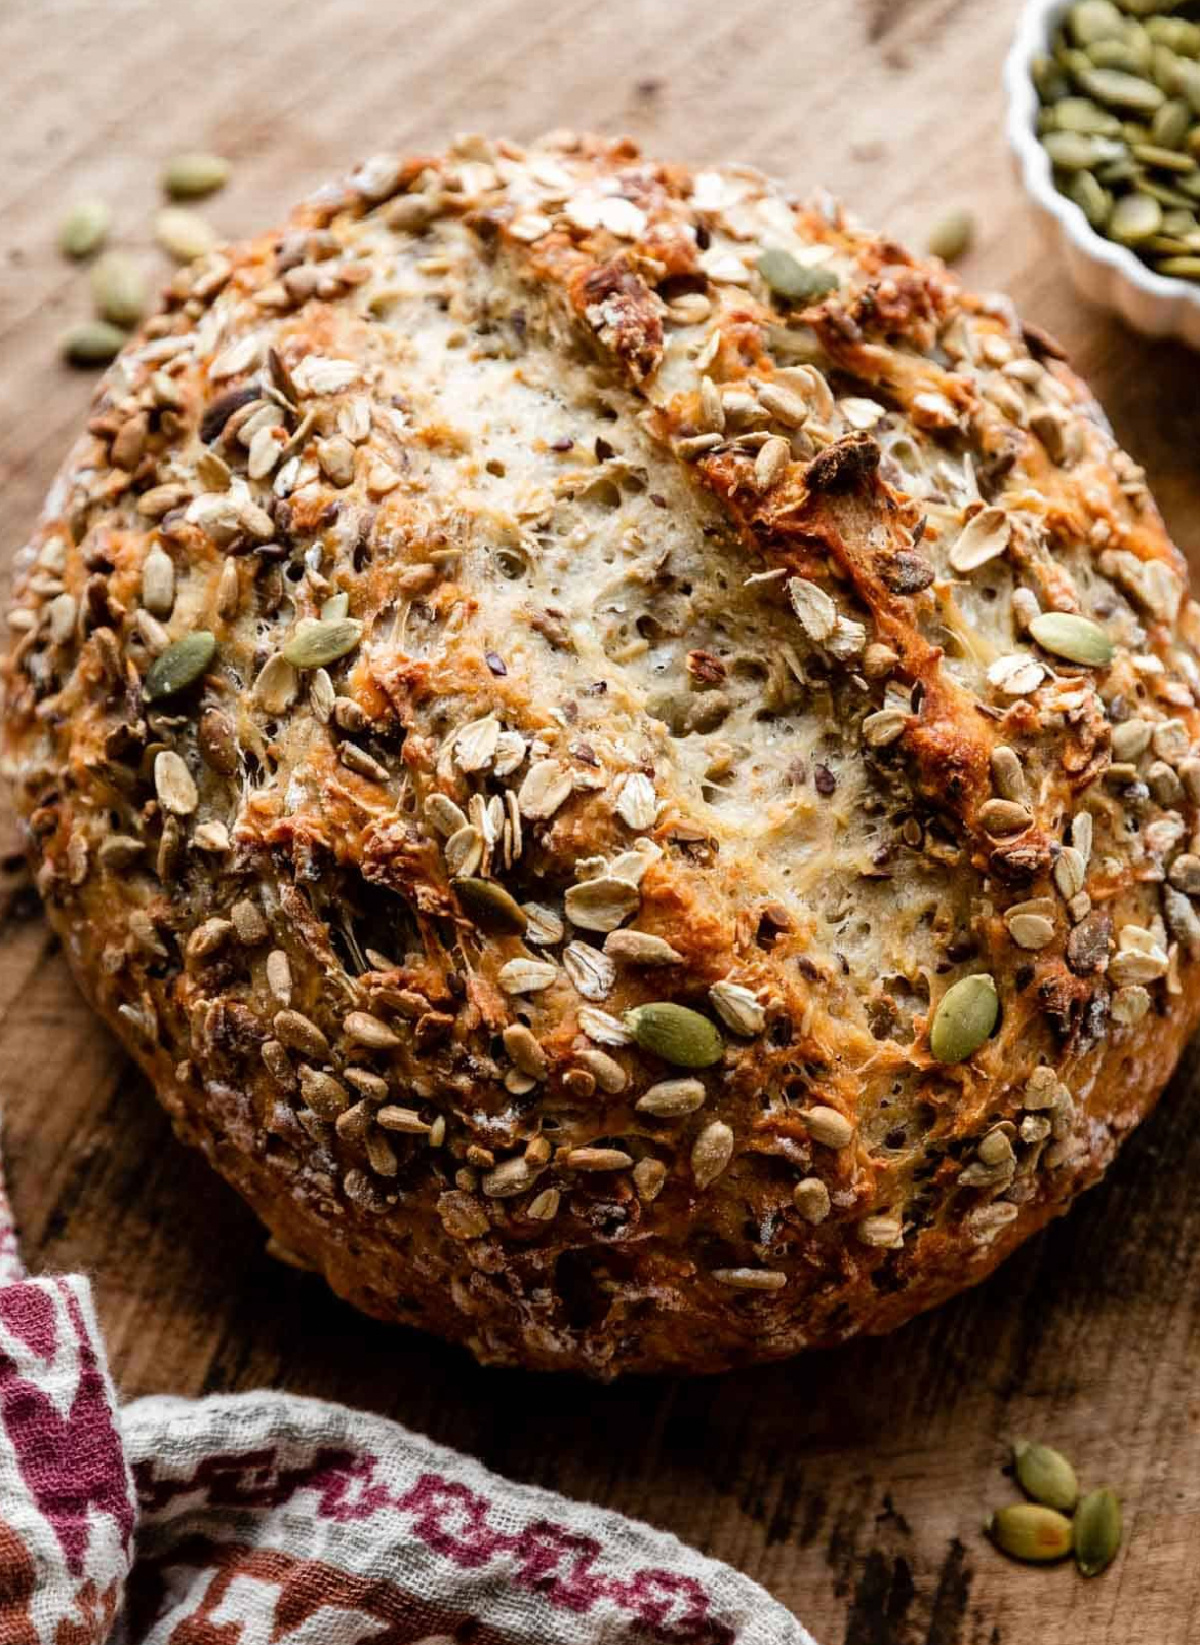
266	1519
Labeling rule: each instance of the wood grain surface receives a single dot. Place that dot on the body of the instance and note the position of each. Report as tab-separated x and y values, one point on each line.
852	1484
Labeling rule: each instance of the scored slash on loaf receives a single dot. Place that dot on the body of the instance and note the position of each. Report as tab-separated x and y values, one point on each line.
622	753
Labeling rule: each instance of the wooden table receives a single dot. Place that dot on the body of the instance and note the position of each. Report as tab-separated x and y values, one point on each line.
852	1484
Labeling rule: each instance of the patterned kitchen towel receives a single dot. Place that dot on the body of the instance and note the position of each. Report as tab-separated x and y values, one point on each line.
265	1519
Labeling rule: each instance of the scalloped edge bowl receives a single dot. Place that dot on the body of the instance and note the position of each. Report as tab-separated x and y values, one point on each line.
1106	274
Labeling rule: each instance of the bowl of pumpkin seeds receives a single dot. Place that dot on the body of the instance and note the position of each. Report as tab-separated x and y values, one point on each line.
1104	119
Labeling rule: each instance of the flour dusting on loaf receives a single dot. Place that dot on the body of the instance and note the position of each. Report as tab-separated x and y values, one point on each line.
622	752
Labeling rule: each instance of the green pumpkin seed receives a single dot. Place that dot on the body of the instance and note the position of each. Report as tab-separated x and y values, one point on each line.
182	233
1094	201
1174	33
1166	195
1164	68
1082	115
319	641
1078	639
790	280
85	228
1077	150
180	665
1122	170
1075	63
91	343
1139	43
1120	55
1165	159
1045	1474
1134	217
1180	268
952	235
1093	20
1180	222
964	1019
490	906
1122	90
119	289
1049	79
191	176
1187	83
675	1033
1171	124
1097	1533
337	605
1030	1532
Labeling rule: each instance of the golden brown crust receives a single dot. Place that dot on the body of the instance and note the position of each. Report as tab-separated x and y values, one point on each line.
620	585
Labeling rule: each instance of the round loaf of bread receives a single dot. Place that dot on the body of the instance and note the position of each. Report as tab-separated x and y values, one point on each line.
621	752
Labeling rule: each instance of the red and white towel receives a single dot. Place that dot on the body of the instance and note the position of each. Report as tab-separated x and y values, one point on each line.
265	1519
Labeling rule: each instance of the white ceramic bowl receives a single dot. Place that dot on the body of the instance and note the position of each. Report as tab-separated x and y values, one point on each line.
1102	271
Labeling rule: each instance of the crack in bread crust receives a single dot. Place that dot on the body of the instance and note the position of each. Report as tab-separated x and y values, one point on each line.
530	693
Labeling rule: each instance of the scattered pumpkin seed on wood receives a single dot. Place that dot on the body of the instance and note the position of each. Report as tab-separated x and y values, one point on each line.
184	234
92	343
964	1019
1045	1475
1097	1531
192	176
85	227
1030	1532
120	290
951	236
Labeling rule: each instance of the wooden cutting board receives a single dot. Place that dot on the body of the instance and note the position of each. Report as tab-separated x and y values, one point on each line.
852	1484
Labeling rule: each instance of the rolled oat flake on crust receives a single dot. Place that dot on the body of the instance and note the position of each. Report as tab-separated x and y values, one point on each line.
647	737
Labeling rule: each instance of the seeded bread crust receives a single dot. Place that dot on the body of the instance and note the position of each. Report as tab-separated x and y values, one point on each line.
625	588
